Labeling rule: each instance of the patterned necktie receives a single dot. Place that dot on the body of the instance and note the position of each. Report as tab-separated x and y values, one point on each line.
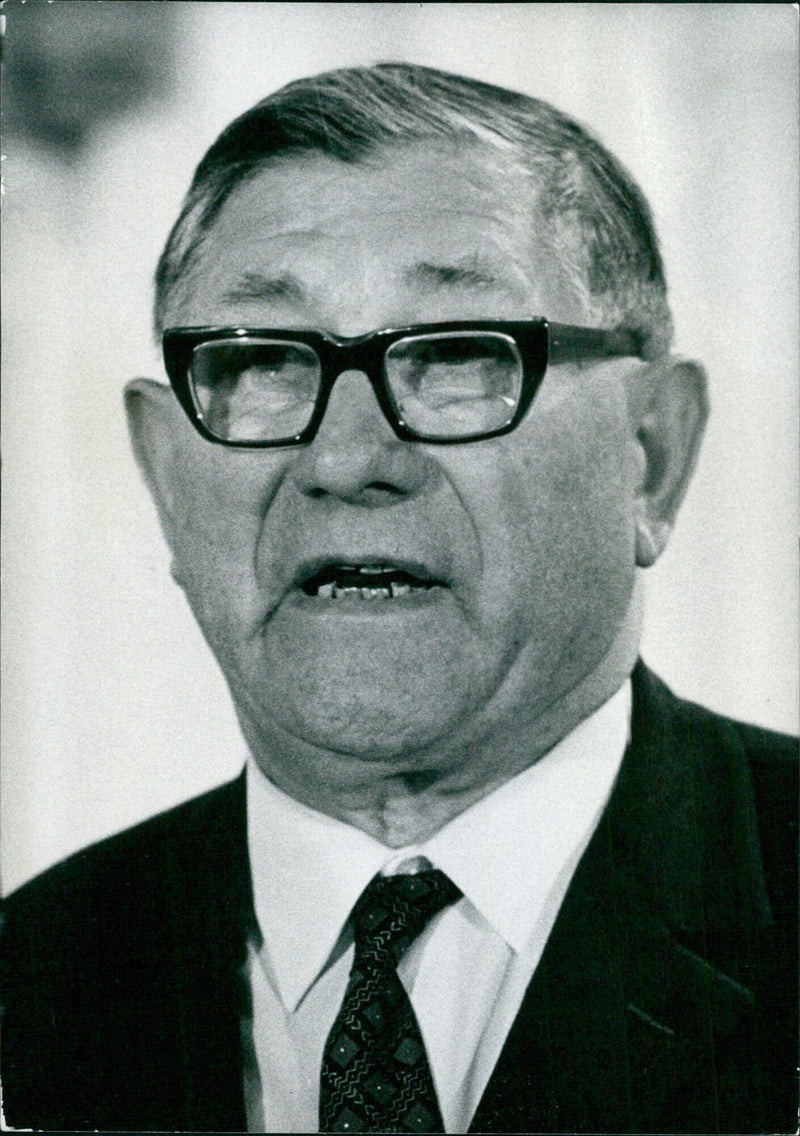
375	1072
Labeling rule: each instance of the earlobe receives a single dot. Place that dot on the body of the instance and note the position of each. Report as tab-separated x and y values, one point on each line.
651	540
153	418
669	434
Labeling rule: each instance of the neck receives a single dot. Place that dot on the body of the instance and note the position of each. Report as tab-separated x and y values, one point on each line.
407	799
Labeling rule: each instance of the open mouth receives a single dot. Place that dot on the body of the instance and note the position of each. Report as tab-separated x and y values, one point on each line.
366	582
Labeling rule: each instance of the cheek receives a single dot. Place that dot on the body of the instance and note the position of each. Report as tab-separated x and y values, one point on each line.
216	525
559	534
209	564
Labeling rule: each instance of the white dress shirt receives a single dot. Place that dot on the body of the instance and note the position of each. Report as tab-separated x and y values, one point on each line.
512	855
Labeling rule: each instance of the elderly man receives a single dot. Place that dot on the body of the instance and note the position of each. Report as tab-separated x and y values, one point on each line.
483	871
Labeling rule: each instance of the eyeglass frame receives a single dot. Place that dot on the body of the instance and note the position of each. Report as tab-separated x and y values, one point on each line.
539	344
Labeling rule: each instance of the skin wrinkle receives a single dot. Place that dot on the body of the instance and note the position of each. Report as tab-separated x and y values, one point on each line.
560	209
356	114
491	164
395	726
258	628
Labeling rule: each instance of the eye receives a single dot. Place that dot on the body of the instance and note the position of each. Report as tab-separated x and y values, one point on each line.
457	367
254	388
279	369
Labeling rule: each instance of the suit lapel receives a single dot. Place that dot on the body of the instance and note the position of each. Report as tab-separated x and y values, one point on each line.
627	1023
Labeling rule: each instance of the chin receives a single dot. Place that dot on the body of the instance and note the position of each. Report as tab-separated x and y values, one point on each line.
377	739
373	735
365	700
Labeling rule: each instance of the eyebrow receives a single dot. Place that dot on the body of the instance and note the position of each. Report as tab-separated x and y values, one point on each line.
467	275
255	286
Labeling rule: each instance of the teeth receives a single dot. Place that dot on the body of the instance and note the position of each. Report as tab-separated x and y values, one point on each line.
365	582
392	591
362	593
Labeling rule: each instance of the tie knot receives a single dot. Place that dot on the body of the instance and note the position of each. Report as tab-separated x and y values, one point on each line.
392	910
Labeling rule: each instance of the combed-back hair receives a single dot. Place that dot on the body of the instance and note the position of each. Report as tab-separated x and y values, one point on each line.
596	217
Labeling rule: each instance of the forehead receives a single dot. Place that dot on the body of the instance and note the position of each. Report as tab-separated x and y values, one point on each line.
454	230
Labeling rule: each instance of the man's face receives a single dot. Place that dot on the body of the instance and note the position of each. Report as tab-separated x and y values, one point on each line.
530	535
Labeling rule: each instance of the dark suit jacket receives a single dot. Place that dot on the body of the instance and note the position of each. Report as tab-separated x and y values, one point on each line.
664	1002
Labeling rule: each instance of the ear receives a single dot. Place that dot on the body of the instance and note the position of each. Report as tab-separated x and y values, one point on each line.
153	425
670	420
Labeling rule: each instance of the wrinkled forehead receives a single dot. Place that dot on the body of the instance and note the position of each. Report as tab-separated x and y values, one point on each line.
422	217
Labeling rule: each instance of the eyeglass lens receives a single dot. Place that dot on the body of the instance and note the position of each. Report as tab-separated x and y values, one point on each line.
446	384
255	390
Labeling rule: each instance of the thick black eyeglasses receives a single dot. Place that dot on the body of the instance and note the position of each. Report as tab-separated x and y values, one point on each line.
441	382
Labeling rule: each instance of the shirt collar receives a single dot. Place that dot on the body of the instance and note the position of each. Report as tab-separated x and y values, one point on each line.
508	853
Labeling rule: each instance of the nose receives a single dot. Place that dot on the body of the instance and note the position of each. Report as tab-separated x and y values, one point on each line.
355	455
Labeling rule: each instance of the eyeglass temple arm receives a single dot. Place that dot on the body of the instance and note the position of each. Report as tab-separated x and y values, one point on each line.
567	343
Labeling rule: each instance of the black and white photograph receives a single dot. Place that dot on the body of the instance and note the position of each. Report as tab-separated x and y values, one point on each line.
412	755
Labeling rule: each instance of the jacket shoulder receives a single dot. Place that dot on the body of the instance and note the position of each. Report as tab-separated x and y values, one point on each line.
774	767
759	769
113	868
98	955
769	753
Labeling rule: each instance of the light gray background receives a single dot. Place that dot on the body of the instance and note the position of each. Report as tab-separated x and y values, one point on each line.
113	708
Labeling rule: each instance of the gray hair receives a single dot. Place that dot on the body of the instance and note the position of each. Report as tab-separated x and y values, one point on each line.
598	218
